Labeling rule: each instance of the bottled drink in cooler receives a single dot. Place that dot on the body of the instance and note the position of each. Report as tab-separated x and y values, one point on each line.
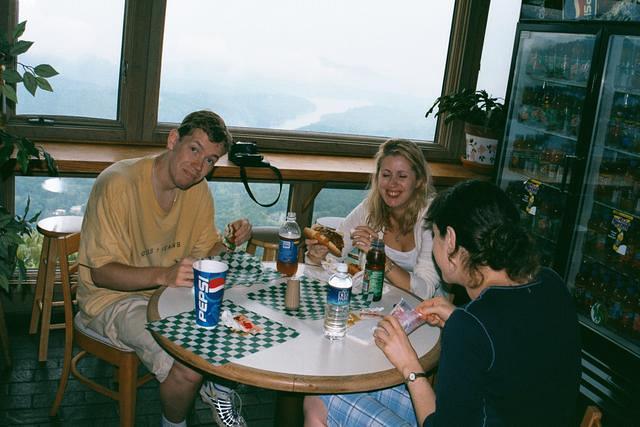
337	309
288	247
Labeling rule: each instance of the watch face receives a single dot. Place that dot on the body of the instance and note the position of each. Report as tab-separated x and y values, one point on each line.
412	376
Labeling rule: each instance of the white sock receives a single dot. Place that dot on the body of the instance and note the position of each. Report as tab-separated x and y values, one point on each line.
166	423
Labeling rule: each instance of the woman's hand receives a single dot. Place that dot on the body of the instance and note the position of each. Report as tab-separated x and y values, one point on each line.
362	236
436	310
315	251
394	343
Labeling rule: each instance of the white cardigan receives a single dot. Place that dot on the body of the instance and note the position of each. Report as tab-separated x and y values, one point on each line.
425	281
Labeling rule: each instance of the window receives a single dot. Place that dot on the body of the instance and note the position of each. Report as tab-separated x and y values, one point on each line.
307	65
82	41
232	202
325	203
498	47
292	104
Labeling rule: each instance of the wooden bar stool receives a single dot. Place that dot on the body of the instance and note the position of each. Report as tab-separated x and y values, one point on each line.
51	228
265	237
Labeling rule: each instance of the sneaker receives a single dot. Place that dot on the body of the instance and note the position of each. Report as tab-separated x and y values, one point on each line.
225	404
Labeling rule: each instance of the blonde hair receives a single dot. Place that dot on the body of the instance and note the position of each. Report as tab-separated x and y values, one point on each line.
379	212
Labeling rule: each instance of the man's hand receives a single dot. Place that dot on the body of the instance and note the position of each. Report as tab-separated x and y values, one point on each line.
240	231
180	274
391	338
436	310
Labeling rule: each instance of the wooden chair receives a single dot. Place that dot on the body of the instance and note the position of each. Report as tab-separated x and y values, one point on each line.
592	417
51	228
125	360
267	239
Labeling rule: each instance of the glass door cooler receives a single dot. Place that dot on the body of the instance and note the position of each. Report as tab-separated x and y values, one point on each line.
570	159
605	264
547	98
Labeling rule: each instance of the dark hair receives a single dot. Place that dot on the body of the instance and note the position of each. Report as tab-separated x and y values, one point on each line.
487	226
210	123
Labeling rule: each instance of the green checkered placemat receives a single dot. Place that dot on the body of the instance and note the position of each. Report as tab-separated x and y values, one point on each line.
221	345
313	297
245	269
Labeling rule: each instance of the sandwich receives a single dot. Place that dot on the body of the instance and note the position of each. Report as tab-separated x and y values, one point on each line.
327	237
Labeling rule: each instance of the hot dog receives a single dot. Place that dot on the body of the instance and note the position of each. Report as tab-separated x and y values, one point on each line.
326	237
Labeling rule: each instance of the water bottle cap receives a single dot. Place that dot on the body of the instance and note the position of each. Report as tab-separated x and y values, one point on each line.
291	216
342	268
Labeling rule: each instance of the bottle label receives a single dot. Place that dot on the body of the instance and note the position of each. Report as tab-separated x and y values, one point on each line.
287	252
338	296
374	280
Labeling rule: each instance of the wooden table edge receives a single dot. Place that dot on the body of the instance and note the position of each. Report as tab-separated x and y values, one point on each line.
287	382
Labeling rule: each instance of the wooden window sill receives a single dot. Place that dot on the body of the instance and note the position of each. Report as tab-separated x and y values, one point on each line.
77	158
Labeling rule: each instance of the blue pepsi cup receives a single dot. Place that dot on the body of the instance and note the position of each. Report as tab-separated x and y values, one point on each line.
208	288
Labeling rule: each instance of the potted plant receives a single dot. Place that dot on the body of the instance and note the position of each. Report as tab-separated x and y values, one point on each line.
16	151
484	119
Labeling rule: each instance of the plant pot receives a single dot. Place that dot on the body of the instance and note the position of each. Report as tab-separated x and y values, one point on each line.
482	144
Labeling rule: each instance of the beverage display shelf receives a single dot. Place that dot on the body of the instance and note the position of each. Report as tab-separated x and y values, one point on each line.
625	90
613	336
525	176
607	264
558	81
612	207
544	238
625	152
547	131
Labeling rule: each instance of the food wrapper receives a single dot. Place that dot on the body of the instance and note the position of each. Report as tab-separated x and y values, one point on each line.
408	317
239	323
229	238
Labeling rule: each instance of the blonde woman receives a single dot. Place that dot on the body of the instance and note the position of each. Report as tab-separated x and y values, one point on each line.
400	193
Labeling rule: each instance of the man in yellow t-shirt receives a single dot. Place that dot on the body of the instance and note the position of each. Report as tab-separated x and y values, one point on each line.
147	220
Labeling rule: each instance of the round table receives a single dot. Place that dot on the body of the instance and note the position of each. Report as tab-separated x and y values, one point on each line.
309	363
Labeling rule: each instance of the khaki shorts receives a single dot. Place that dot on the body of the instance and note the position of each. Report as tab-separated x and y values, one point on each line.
123	322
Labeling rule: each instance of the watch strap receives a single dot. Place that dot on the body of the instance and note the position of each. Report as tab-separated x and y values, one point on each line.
414	375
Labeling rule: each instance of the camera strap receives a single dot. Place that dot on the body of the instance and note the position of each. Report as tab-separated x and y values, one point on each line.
276	171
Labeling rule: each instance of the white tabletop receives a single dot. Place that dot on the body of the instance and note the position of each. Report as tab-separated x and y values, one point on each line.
310	354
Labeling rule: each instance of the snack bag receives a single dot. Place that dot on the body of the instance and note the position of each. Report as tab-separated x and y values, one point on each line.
408	317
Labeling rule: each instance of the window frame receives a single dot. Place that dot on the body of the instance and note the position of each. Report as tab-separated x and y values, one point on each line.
139	89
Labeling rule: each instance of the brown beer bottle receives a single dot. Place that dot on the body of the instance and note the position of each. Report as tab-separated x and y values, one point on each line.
374	270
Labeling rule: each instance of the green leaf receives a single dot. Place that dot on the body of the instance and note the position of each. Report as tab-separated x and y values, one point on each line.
51	164
11	76
30	83
19	30
44	84
20	47
45	70
9	92
23	160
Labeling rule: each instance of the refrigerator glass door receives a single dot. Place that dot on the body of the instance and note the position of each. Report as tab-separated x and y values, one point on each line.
605	264
548	92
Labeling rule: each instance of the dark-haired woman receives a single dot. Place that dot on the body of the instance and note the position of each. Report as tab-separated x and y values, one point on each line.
510	357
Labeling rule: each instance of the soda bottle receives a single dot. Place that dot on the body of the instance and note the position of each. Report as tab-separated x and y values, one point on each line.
289	234
337	309
374	270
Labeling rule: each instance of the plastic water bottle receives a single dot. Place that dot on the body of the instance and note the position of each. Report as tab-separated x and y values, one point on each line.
337	309
289	234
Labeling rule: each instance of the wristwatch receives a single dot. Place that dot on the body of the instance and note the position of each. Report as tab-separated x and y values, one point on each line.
413	375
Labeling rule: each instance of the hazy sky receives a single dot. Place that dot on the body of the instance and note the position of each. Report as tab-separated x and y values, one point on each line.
354	51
